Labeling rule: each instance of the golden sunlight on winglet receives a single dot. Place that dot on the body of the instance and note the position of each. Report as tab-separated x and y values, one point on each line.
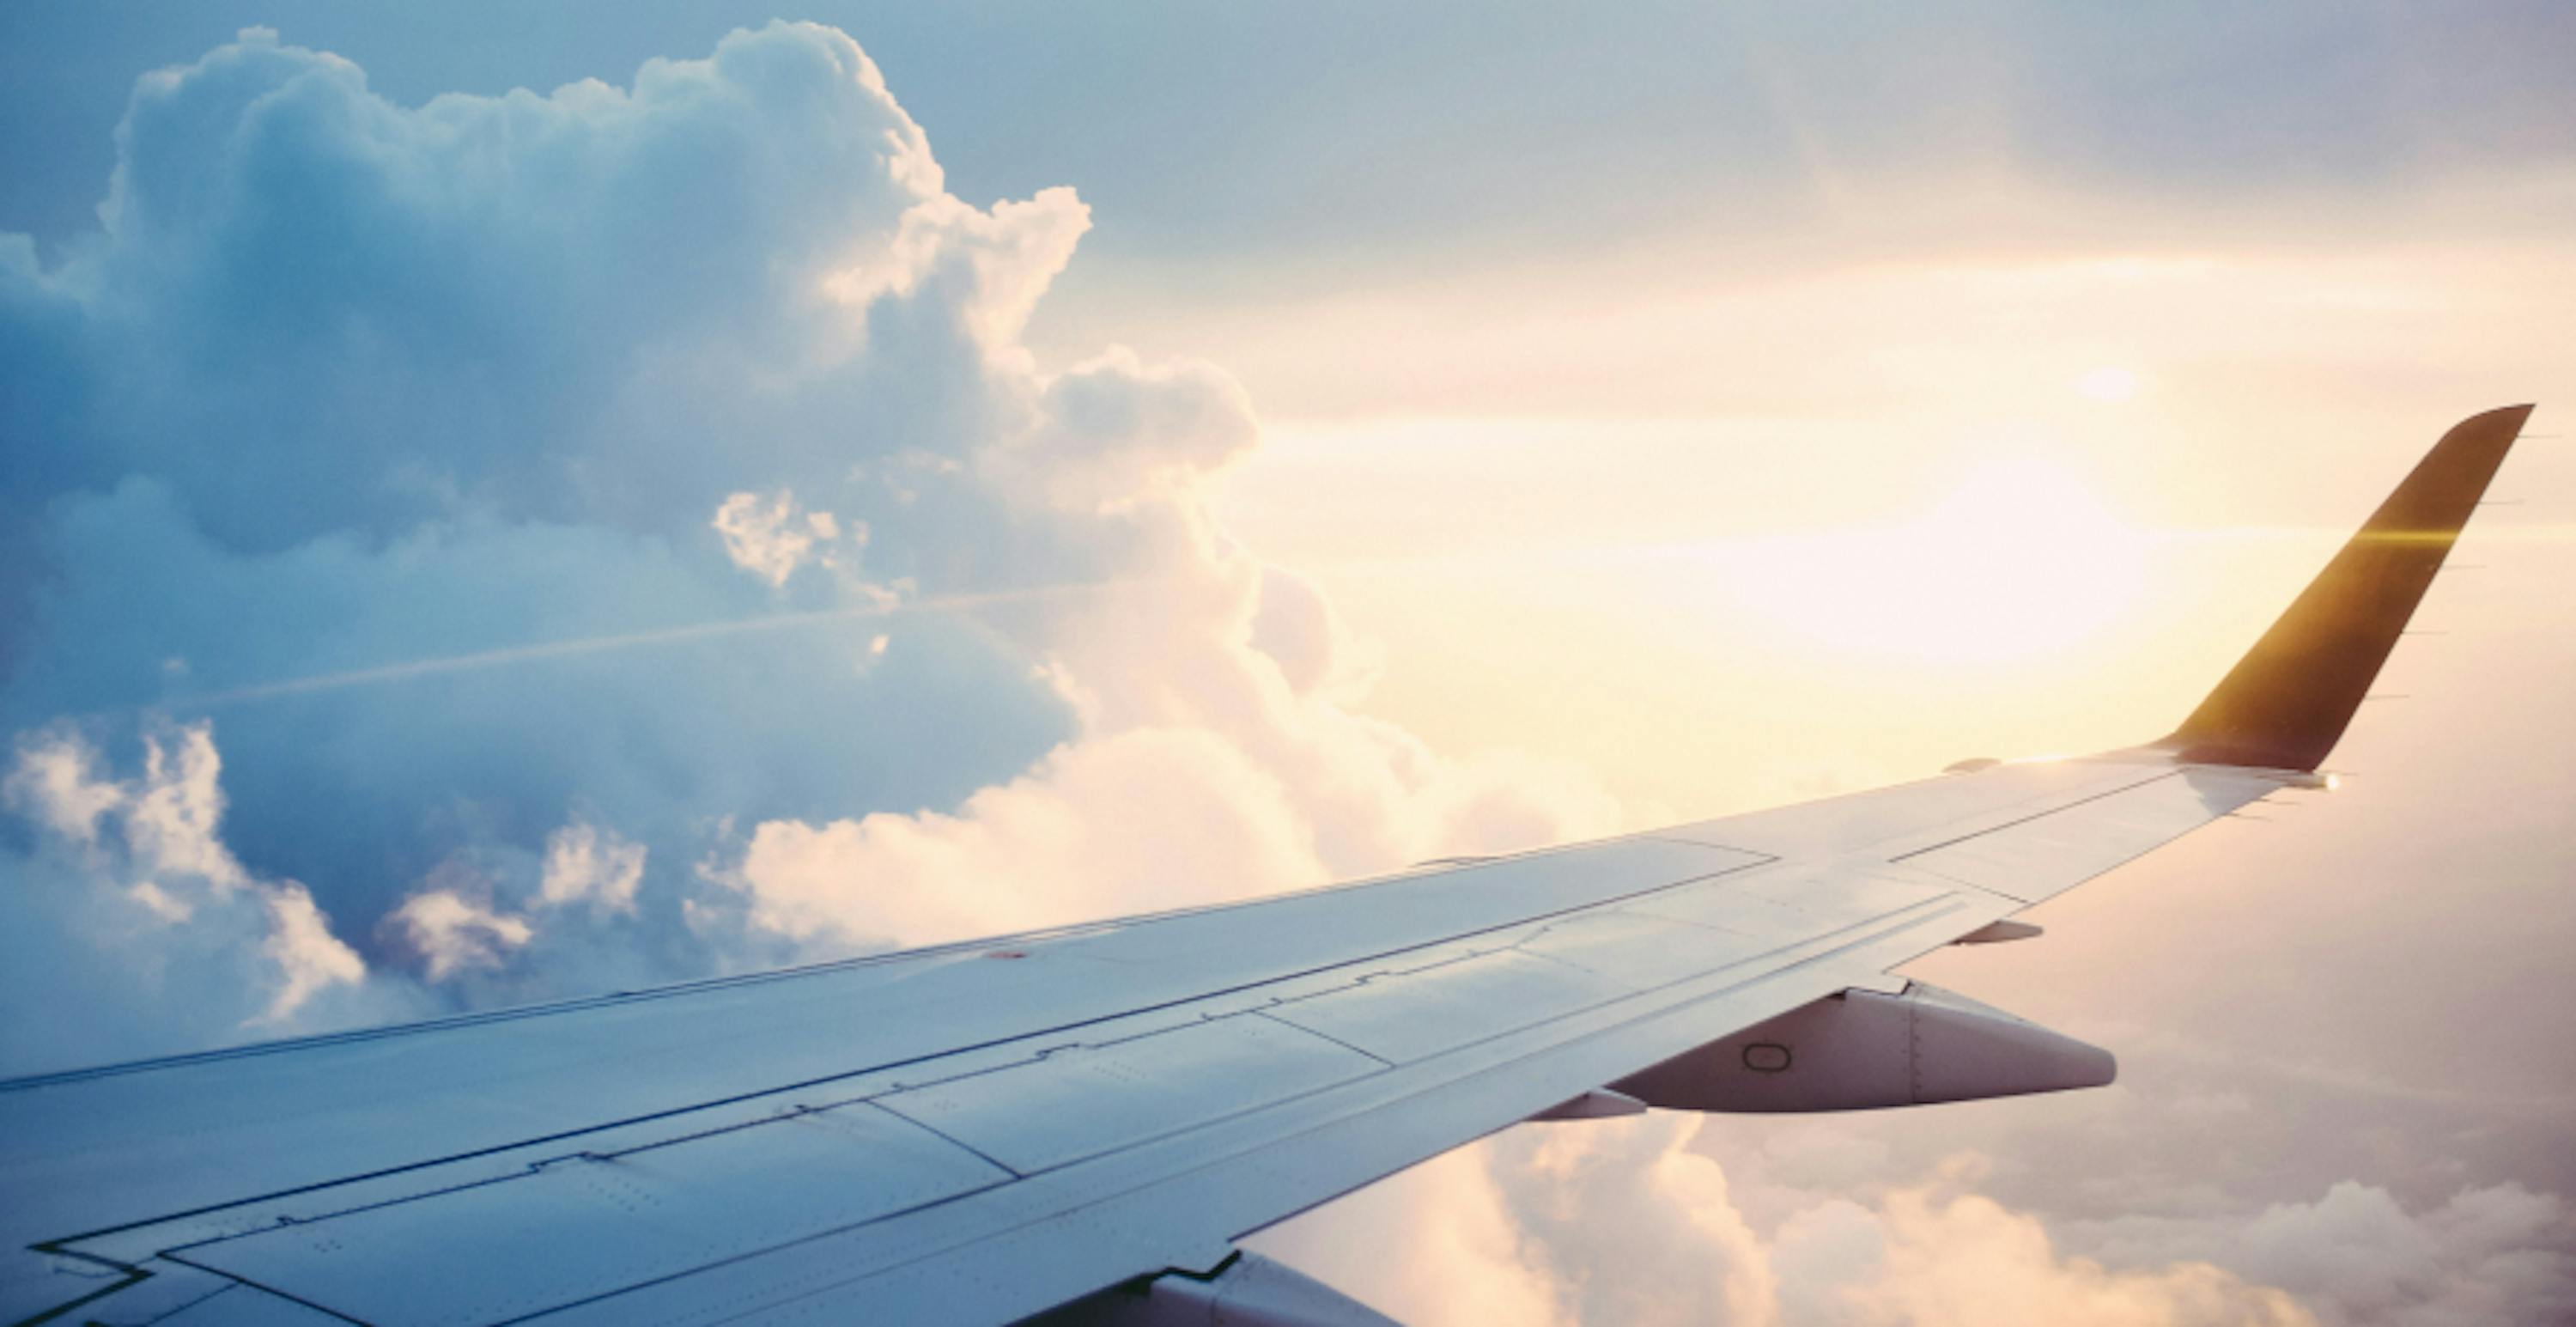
2287	702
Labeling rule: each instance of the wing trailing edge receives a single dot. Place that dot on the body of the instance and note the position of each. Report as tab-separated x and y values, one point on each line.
2288	701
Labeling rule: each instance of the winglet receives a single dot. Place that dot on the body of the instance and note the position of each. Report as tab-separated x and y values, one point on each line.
2287	702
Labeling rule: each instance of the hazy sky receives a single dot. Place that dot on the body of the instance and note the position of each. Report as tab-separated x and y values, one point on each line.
463	545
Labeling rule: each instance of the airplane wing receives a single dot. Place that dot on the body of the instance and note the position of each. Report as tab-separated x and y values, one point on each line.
1081	1122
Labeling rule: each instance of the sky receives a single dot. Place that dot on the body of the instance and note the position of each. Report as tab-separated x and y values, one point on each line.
498	504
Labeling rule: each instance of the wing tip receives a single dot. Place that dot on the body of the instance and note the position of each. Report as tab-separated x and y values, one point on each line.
2504	420
2287	702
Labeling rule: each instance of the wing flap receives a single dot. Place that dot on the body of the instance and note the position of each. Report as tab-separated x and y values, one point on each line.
590	1223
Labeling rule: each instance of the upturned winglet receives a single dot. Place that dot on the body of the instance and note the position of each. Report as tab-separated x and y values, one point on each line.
2287	702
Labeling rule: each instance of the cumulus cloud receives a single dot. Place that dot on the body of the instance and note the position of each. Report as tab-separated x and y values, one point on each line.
493	476
1433	1246
134	927
1150	818
308	956
453	931
1631	1221
54	781
770	538
2356	1254
1930	1257
586	864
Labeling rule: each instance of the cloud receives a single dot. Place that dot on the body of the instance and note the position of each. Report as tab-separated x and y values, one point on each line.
453	932
54	780
1631	1221
1934	1257
134	929
1143	820
2356	1255
1434	1245
770	538
587	864
616	535
308	956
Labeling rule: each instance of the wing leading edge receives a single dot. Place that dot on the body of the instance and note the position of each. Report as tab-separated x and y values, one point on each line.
1083	1121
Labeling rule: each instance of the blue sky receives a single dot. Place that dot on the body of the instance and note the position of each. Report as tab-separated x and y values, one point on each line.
468	544
1331	133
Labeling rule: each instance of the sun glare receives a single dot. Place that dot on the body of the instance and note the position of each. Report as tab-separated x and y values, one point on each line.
2108	384
2020	559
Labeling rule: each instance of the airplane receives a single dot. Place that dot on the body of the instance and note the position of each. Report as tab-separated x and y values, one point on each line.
1075	1126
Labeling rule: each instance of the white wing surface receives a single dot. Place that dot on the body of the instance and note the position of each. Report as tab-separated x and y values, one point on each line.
1083	1121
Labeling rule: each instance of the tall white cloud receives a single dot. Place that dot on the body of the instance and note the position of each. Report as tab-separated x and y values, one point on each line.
618	535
